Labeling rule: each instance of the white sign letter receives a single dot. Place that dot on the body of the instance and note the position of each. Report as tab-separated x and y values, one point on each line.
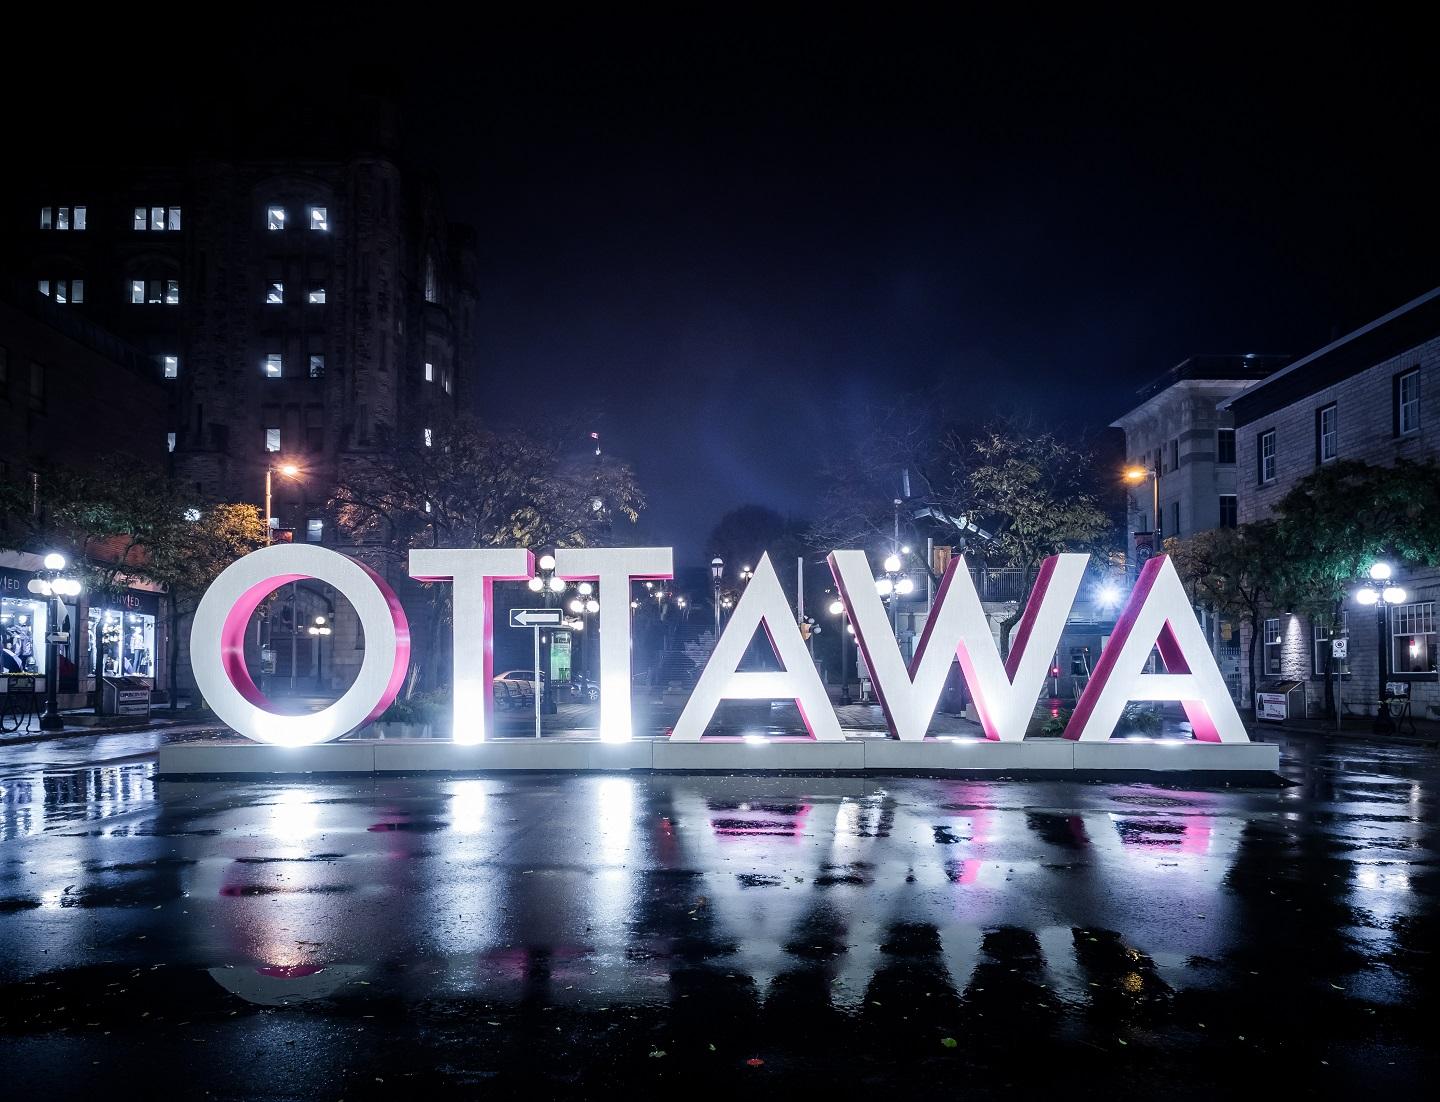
1158	614
763	602
1004	693
612	569
473	573
217	644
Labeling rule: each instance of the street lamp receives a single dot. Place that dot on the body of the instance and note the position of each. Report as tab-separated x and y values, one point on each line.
893	585
1137	475
837	608
52	583
717	574
1382	595
746	574
289	470
548	583
318	630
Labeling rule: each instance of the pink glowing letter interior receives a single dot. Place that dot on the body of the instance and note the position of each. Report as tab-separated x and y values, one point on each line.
217	644
1158	614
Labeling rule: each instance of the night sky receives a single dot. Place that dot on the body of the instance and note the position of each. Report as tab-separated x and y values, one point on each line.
706	237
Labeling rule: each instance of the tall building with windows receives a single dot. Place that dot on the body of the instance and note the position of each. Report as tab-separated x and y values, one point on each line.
301	295
1179	440
1181	454
1373	395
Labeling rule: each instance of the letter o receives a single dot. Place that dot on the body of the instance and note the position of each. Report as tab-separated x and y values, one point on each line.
217	644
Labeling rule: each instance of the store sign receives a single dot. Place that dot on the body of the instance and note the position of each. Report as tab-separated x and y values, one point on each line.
1158	615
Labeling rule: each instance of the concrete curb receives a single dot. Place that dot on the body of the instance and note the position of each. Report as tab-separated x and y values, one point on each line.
854	755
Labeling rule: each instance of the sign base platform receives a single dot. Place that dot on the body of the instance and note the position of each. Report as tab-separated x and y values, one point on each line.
856	754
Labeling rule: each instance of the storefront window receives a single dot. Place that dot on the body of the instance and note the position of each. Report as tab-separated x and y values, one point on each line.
126	642
22	635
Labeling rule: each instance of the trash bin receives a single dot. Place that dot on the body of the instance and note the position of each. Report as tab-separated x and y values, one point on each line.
125	696
1278	701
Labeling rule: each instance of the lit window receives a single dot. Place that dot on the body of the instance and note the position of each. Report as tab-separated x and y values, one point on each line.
272	440
319	218
429	373
314	530
1412	630
317	296
169	441
157	219
432	288
1273	647
445	383
276	293
172	292
1407	403
62	218
317	367
275	218
1324	655
172	219
62	290
140	219
137	290
274	365
1327	438
172	366
429	438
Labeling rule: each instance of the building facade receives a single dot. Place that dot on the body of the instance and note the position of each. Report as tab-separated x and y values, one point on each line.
302	311
75	394
1373	396
1182	467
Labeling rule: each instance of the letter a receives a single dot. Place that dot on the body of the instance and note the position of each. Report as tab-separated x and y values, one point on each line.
1158	614
1004	692
763	602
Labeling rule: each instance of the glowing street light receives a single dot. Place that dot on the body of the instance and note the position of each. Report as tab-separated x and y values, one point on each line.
1382	597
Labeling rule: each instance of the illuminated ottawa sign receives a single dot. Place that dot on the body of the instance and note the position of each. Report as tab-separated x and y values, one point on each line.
1005	691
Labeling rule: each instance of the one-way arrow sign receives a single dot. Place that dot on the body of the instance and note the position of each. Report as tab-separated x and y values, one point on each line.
536	617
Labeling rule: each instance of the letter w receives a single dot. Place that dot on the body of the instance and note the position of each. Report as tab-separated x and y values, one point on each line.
1004	692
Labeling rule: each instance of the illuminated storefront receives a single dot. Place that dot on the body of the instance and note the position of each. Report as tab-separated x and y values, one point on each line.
122	634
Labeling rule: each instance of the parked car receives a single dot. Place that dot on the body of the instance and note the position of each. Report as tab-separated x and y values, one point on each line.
522	677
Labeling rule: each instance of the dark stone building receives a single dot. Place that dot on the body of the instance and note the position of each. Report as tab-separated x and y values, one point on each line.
301	296
73	393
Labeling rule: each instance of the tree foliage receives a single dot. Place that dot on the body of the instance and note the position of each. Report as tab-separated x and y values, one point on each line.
476	487
1337	521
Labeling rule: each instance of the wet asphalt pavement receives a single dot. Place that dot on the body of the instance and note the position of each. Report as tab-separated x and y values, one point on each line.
582	936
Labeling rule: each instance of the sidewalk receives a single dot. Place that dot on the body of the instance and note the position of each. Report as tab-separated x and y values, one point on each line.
1426	732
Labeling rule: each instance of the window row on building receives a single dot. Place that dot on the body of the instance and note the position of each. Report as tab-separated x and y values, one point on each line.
1410	635
1405	421
167	219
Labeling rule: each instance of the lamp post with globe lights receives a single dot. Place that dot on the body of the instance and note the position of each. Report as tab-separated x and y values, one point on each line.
1382	594
547	583
717	575
584	605
892	585
52	583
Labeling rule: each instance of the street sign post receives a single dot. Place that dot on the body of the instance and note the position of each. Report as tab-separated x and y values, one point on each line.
536	618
